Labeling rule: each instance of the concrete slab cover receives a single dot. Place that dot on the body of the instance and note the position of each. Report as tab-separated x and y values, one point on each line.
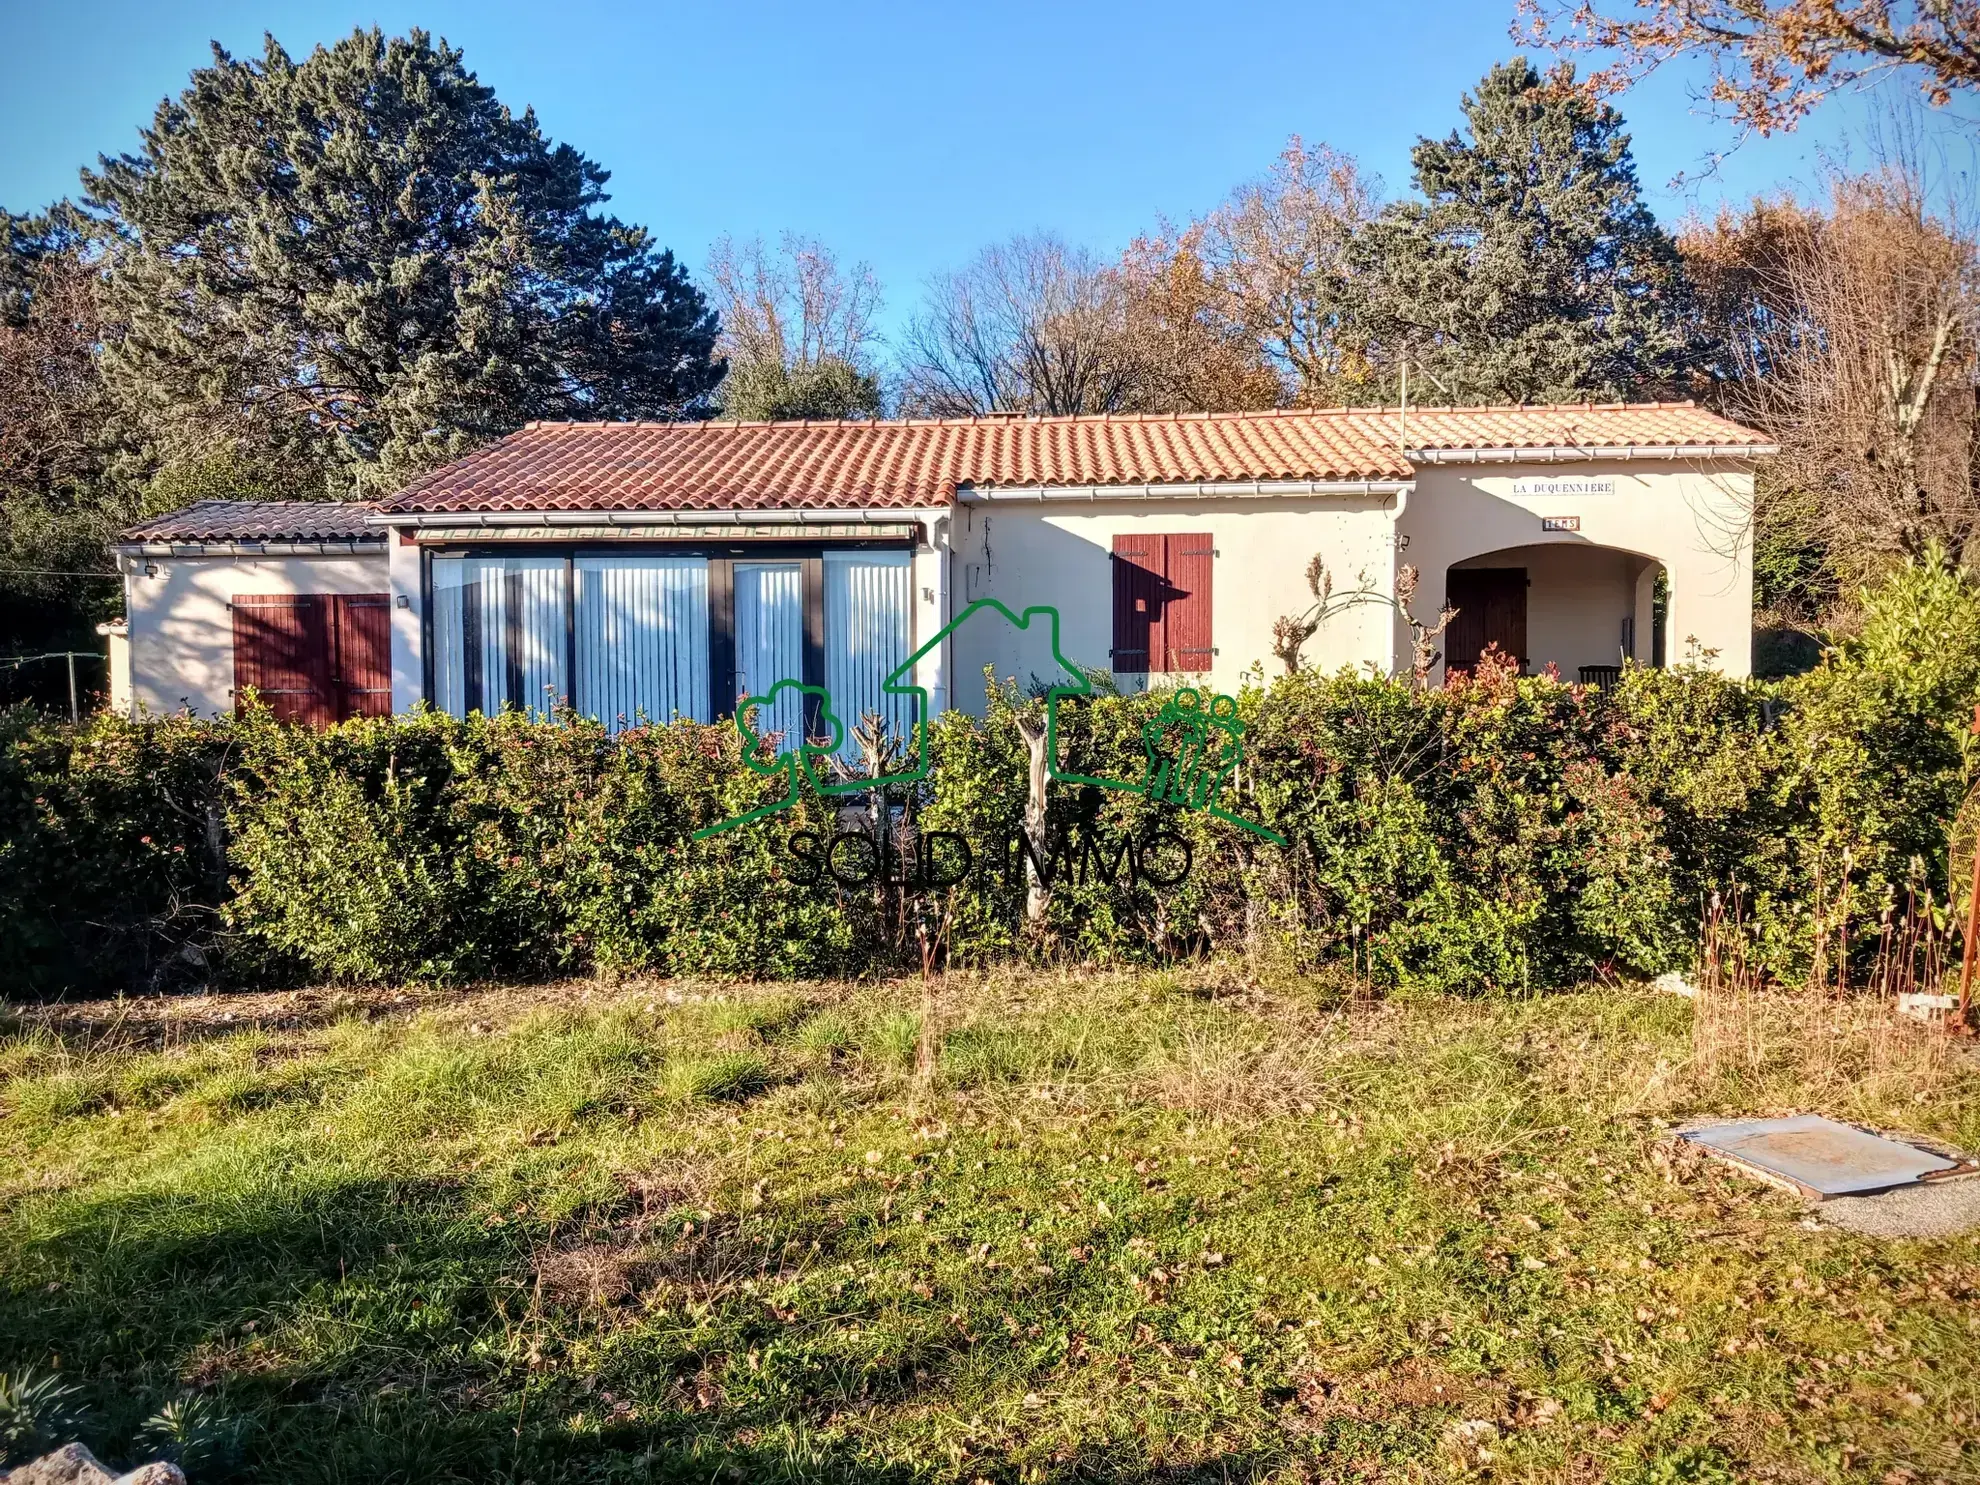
1825	1157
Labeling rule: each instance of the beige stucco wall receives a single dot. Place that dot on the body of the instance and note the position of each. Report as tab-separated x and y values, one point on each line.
1058	553
182	632
403	561
1693	518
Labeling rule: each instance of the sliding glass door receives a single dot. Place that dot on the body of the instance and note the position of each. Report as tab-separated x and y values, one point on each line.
629	638
770	643
866	638
642	639
499	634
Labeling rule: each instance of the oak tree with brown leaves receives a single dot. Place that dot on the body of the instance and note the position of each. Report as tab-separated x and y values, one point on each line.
1191	353
1771	61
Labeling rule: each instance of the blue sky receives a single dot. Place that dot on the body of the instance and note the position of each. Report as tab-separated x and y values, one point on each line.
905	135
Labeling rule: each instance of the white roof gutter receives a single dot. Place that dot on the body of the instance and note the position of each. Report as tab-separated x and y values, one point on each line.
1572	454
1204	490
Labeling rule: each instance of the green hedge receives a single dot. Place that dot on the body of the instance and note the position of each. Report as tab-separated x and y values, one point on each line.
1501	833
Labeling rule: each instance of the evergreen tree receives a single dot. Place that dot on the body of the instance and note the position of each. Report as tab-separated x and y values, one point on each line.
354	267
1531	269
770	391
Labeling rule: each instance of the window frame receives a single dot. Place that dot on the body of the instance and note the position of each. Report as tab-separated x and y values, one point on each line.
721	557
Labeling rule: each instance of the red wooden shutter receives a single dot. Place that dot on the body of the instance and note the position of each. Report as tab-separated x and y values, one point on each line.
1186	603
1138	583
363	640
282	650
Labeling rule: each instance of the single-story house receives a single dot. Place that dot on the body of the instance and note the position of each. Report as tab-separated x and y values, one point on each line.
662	569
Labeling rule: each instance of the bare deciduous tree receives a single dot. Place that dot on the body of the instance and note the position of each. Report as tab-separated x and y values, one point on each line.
796	306
53	406
797	329
1857	334
1279	253
1032	326
62	436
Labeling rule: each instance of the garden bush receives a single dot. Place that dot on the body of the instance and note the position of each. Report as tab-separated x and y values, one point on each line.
1500	833
430	848
113	846
1874	756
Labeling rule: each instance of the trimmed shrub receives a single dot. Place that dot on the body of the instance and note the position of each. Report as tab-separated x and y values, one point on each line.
1502	833
113	861
1874	755
431	848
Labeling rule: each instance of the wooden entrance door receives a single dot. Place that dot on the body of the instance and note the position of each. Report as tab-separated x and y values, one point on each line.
1491	605
314	658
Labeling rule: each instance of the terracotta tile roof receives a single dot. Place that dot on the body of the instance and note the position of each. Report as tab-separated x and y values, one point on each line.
1576	425
910	463
259	520
743	466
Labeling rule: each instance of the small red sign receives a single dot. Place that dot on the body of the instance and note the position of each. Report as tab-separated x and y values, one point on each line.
1560	523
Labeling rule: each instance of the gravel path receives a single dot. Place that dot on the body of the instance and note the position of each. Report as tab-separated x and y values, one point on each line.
1928	1209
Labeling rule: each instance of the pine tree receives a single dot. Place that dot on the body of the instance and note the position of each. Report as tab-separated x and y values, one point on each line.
1531	270
357	266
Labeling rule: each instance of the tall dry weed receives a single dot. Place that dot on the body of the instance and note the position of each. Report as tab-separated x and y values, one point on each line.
1825	1042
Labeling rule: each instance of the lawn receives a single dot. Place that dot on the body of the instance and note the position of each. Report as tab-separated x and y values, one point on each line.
1152	1228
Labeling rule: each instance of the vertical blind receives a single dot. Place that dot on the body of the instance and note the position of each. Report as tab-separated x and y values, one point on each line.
498	633
642	639
637	632
770	643
866	638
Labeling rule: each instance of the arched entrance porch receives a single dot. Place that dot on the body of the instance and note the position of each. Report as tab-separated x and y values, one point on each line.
1581	608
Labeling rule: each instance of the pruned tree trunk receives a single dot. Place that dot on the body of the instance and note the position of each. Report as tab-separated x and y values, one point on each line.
1038	893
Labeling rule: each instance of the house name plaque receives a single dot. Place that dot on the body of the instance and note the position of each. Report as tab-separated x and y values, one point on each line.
1551	485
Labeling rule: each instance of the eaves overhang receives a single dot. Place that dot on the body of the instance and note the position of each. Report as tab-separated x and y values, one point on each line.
1580	454
356	546
1205	490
